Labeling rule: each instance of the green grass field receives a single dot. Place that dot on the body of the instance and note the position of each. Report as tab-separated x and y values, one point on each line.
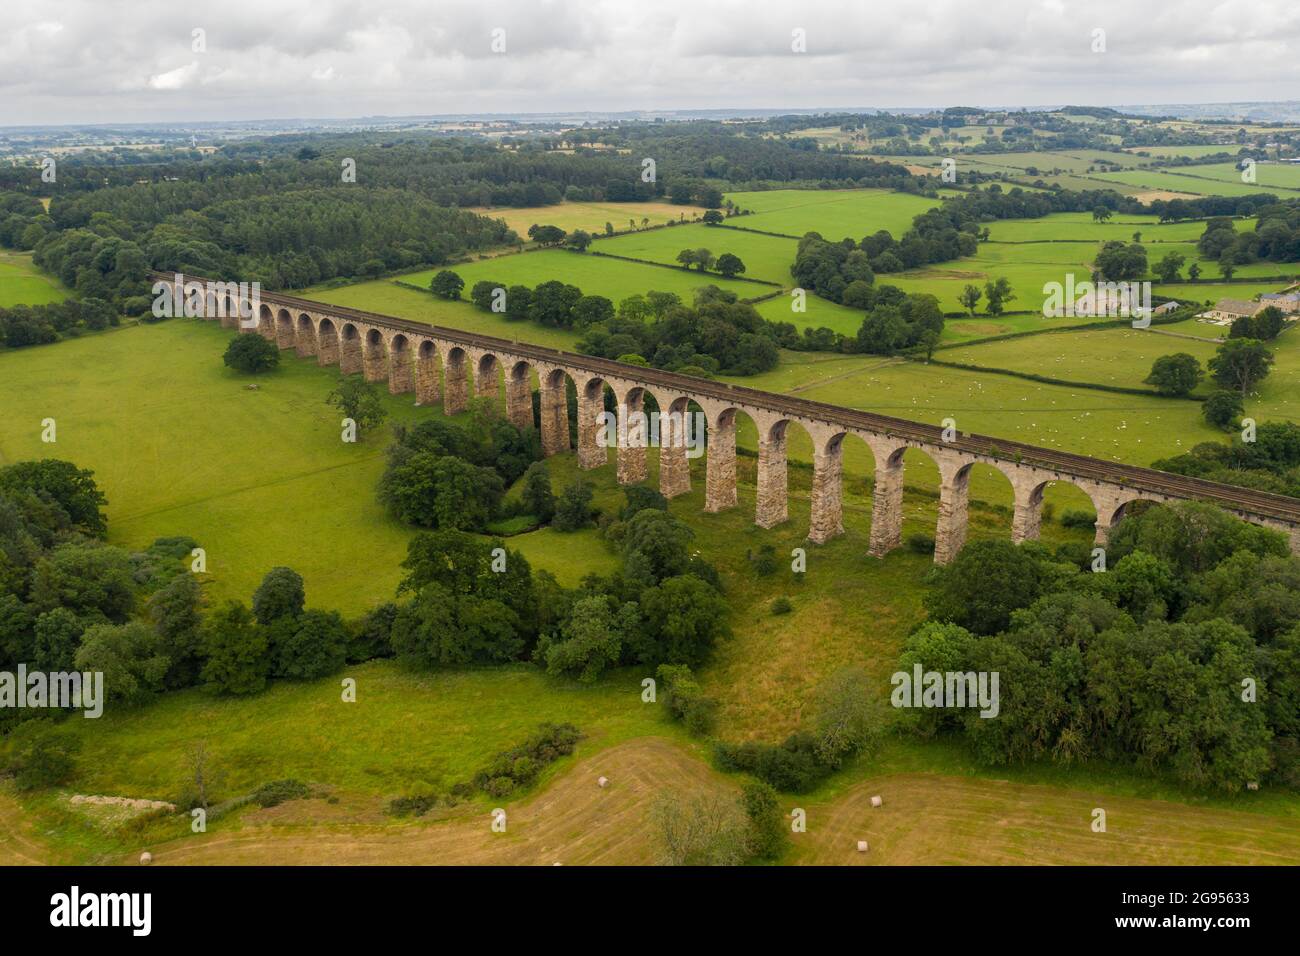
1191	179
594	275
1120	357
1272	175
765	257
1171	152
835	213
1211	292
1026	267
21	283
387	297
1076	226
260	478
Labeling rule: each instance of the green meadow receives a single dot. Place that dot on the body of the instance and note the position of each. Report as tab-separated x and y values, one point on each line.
765	257
21	283
1112	356
1190	180
1173	152
391	298
834	213
259	477
1080	226
594	275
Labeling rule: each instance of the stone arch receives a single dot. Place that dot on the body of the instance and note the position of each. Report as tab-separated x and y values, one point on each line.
487	374
401	366
1032	497
1119	512
351	361
266	323
722	425
375	355
673	429
327	342
519	395
954	502
887	493
284	329
772	506
633	434
455	366
305	336
553	411
230	313
846	466
593	449
428	373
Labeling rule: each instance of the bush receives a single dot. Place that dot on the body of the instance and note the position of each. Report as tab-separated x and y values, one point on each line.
1223	409
279	791
920	543
415	805
766	836
574	511
1074	518
792	767
782	605
252	354
447	285
639	498
520	765
40	754
765	563
685	701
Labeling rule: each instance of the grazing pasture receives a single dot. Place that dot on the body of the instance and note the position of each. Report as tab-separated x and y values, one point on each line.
1113	356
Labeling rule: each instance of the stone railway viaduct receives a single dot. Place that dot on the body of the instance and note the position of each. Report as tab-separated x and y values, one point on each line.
435	364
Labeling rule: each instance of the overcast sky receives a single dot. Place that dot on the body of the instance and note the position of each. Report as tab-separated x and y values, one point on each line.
83	61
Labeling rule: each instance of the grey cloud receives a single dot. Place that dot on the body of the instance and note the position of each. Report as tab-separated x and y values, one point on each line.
87	61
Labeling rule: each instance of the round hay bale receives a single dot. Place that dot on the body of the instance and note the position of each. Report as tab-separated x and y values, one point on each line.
862	846
146	858
602	781
877	802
